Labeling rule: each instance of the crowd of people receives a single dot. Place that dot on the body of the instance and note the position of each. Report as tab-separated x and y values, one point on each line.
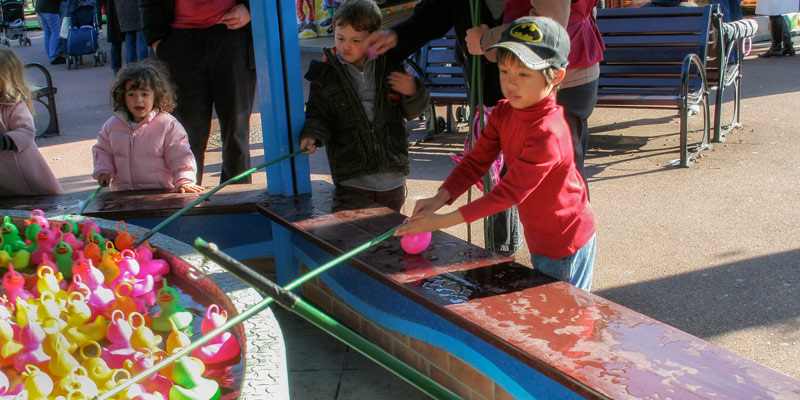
541	61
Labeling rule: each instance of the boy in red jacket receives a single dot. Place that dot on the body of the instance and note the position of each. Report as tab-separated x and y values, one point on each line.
529	128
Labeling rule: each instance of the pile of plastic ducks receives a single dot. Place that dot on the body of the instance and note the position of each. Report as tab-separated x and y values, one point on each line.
80	313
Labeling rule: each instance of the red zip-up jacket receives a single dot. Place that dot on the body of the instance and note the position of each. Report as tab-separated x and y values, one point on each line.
540	178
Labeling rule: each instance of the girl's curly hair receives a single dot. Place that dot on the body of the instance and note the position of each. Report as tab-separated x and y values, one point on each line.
147	73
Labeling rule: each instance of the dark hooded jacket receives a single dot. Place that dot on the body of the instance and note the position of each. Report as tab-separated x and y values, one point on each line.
336	119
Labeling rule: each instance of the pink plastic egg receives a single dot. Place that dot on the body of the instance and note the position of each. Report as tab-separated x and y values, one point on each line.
415	243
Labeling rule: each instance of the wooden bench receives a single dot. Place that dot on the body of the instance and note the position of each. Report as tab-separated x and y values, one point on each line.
656	57
44	92
488	328
444	78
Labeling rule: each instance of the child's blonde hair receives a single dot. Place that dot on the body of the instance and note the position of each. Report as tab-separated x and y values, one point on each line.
147	73
12	74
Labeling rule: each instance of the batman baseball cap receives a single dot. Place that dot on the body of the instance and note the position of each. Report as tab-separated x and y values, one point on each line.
538	42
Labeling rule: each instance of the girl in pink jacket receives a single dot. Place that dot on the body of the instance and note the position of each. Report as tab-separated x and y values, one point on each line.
23	170
142	146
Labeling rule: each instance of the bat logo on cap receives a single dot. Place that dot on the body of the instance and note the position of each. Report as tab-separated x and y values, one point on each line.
527	32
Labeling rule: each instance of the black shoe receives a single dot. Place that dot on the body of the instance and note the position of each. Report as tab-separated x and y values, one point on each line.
59	60
771	53
788	52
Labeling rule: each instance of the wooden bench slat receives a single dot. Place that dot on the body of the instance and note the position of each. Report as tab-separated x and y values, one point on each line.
654	41
644	83
651	26
632	55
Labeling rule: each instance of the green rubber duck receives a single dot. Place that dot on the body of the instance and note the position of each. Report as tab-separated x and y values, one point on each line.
167	299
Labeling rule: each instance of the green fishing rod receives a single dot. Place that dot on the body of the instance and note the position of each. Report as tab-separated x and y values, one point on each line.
89	200
202	247
180	212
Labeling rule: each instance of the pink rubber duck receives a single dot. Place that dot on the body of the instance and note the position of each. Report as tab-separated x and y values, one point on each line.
46	240
222	347
119	334
31	337
155	383
101	297
149	266
68	235
14	285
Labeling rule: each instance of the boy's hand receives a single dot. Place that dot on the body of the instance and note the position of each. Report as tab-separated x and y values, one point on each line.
402	83
473	39
428	221
432	204
191	188
104	180
309	144
380	42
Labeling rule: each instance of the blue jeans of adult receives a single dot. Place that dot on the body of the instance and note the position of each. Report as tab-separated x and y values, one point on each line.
135	47
577	269
731	9
51	25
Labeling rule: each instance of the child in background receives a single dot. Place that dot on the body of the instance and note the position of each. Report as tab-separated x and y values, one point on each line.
529	128
357	107
142	146
23	170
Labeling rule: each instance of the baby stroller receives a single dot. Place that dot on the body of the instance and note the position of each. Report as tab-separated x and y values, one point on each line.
13	22
83	34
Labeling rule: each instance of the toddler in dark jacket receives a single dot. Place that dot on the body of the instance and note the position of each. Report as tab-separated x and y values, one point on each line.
357	108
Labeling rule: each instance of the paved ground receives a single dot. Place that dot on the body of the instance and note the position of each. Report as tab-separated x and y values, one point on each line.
712	250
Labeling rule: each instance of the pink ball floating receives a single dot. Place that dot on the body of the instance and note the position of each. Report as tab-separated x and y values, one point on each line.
415	243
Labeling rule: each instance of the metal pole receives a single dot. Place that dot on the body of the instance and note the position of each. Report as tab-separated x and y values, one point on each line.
295	304
89	200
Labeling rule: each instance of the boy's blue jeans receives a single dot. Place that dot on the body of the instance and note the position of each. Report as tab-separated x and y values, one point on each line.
577	269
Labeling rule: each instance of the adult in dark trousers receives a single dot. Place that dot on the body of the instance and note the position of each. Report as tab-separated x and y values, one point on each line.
432	19
49	12
208	48
130	25
781	36
113	35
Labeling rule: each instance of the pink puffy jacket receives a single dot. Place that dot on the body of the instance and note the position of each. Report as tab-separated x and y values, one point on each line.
154	154
25	171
